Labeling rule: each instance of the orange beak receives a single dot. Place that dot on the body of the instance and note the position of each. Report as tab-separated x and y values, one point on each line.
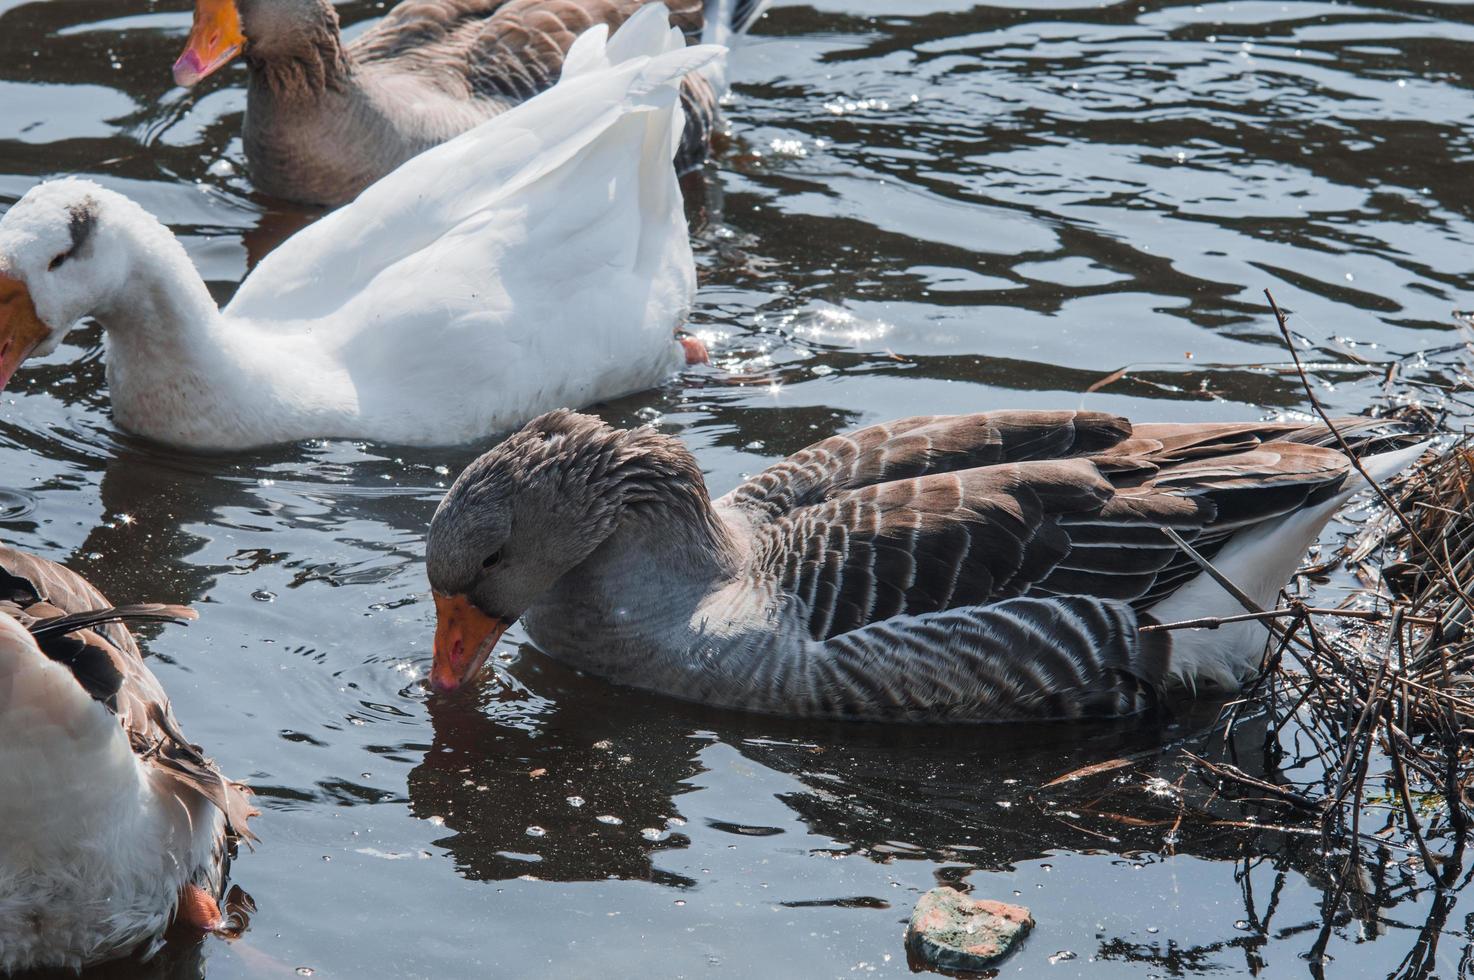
20	328
215	39
464	636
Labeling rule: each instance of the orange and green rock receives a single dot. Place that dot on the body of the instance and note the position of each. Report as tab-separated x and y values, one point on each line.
954	932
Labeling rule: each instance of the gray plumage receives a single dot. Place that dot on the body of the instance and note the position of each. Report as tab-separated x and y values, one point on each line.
976	568
325	118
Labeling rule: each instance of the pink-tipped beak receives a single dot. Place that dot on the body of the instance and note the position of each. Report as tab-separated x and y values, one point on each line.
214	40
464	636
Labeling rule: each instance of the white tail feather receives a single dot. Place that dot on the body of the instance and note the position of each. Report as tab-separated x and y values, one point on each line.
1384	466
1259	561
460	182
62	754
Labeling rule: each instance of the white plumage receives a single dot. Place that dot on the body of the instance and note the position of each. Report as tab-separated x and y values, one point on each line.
94	851
1260	561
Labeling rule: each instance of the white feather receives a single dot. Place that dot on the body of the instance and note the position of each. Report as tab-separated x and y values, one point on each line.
92	854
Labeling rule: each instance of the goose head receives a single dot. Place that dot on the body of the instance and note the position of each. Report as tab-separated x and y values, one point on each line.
262	29
54	267
513	523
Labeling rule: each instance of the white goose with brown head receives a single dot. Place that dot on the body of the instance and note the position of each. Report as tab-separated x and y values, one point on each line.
963	568
112	825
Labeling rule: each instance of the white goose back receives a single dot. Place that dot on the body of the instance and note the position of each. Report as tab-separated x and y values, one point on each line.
540	259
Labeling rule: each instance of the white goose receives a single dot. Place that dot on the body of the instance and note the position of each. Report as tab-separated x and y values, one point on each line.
954	568
538	260
112	825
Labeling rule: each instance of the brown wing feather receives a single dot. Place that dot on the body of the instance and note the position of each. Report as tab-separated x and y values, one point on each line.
75	624
510	50
955	537
920	446
931	543
461	33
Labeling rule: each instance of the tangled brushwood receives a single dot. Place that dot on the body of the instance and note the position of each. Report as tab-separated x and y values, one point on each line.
1351	759
1392	681
1384	694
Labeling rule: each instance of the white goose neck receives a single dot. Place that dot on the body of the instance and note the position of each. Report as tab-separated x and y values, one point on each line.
161	304
172	373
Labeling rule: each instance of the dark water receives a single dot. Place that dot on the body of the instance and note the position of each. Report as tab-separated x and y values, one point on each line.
932	210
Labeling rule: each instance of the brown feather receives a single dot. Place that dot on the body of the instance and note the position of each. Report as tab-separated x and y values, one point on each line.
485	55
74	623
932	513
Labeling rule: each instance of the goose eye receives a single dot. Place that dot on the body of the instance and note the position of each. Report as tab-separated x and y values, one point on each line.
58	261
492	560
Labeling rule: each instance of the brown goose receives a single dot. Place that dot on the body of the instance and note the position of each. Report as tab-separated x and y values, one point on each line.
966	568
325	118
112	825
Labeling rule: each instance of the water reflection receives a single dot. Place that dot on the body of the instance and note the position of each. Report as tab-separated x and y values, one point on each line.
179	960
545	775
512	754
523	779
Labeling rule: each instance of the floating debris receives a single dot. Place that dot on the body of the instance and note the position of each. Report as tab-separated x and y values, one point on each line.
952	931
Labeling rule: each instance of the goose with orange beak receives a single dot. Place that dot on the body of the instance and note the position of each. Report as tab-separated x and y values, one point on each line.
965	568
40	295
512	527
326	117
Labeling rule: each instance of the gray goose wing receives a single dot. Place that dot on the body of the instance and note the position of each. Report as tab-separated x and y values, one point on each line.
1014	660
969	538
74	624
1025	578
919	446
895	521
510	50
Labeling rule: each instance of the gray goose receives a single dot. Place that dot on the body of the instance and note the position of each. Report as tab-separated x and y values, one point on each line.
112	825
325	118
972	568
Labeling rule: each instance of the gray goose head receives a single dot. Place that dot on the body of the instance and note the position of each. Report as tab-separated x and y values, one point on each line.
281	31
536	507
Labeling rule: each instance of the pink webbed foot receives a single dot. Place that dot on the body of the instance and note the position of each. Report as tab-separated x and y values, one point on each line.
695	351
198	909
